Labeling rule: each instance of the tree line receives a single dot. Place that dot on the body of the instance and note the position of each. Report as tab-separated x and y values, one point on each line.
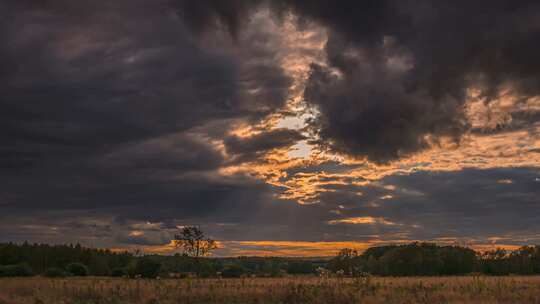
56	260
415	259
74	260
428	259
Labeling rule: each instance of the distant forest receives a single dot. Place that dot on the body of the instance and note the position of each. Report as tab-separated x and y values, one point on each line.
415	259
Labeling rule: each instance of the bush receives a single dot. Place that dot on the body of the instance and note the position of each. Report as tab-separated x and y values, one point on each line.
77	269
302	267
233	271
147	267
19	270
118	272
54	273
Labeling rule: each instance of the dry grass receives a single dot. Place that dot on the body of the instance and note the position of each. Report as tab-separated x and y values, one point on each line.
282	290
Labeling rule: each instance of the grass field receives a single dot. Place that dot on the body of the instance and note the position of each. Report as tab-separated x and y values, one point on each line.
269	290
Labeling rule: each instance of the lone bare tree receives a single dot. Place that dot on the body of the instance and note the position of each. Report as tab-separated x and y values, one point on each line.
194	242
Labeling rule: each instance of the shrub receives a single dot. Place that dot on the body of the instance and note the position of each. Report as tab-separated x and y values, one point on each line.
146	267
302	267
77	269
118	272
19	270
54	273
233	271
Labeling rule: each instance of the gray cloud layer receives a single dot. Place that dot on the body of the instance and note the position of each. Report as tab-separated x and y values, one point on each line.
107	109
110	112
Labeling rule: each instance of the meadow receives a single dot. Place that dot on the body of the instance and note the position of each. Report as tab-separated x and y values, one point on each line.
308	289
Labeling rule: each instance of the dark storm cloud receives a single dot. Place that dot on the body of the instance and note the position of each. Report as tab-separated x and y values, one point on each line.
405	68
180	153
250	148
154	194
144	240
213	14
398	71
110	109
82	78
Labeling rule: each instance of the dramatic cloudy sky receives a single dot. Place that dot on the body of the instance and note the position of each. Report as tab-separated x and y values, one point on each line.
281	127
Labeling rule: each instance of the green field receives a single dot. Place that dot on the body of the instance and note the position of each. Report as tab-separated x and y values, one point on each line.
464	289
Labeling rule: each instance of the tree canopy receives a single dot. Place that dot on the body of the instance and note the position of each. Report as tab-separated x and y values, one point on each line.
194	242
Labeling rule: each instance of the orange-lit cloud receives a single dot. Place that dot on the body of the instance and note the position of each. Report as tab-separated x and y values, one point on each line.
362	221
487	146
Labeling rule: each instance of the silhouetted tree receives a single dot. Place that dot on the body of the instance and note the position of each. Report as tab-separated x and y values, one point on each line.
77	269
19	270
147	267
118	272
347	260
41	257
193	242
54	272
233	271
300	267
407	260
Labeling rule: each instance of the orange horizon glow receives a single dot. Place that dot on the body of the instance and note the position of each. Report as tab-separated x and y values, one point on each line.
305	248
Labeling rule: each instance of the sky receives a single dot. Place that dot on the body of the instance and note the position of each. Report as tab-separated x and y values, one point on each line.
280	127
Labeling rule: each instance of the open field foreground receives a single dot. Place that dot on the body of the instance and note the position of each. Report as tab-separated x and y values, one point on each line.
270	290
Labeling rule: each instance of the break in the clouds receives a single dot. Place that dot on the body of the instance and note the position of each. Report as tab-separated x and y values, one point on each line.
398	73
269	122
